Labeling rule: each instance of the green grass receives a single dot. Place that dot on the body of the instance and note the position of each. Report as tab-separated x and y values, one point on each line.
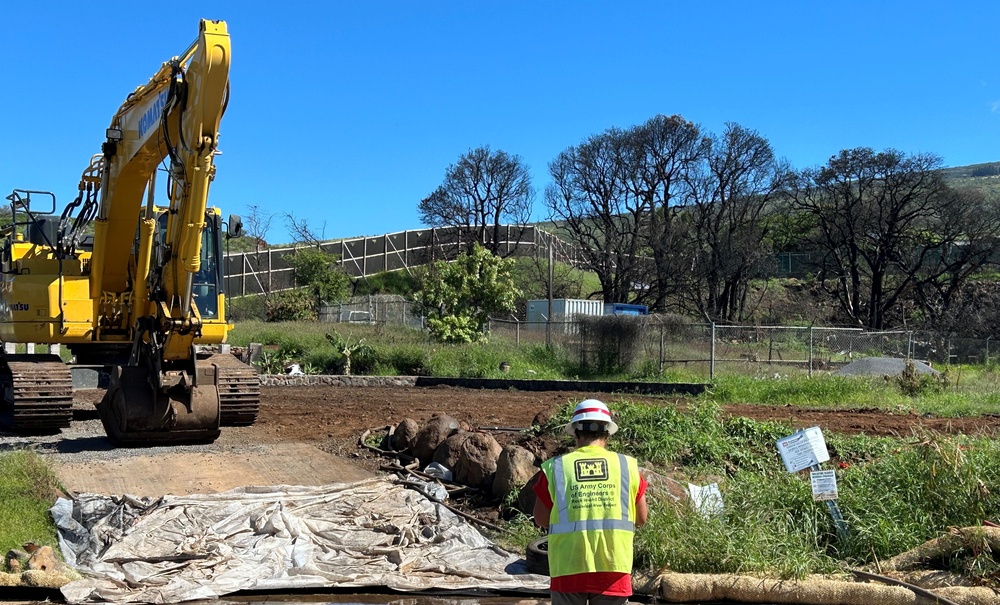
398	350
28	488
972	392
894	494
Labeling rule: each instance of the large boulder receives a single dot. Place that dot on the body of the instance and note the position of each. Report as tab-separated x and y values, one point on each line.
450	450
405	435
477	461
526	495
43	559
430	436
515	467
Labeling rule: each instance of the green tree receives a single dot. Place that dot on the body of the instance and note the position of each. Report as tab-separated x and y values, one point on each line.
318	271
458	297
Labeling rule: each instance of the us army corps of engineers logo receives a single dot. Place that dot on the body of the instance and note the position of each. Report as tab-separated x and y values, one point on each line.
594	469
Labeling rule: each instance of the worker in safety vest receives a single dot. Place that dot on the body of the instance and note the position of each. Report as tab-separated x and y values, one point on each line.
591	500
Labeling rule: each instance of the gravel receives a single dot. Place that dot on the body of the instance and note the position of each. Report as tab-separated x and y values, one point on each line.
882	366
85	441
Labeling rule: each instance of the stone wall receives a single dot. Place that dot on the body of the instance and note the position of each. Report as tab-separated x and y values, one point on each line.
281	380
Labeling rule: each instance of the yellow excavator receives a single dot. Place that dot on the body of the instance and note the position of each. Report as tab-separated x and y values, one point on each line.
142	295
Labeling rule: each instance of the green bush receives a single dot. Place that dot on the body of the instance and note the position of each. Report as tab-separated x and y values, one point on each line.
291	305
405	360
246	308
319	273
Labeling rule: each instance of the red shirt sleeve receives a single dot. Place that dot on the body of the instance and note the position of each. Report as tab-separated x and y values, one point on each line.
541	490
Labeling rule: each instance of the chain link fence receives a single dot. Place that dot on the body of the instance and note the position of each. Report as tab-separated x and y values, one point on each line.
381	308
709	350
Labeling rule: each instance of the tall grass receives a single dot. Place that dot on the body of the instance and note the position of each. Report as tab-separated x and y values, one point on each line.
894	493
976	392
27	489
397	350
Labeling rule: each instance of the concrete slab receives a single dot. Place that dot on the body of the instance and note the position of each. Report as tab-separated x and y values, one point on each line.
205	473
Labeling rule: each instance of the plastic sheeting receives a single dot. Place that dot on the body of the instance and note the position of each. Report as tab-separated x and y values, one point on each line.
368	533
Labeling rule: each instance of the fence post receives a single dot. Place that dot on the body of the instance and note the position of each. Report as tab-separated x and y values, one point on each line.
661	348
711	364
810	372
269	272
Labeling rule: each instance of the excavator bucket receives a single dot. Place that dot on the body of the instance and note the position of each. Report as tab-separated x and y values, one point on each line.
135	413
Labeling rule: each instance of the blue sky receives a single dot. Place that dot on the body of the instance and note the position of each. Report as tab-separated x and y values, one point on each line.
347	114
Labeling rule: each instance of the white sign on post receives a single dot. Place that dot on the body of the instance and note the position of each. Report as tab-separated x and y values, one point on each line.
803	449
824	485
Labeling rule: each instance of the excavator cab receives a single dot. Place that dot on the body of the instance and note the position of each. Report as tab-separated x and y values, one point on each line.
208	281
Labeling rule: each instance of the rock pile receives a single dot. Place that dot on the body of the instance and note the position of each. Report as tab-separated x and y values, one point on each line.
474	458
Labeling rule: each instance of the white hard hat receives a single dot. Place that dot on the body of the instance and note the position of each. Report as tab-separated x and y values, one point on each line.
589	411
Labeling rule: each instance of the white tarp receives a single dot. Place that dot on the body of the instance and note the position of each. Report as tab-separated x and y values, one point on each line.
368	533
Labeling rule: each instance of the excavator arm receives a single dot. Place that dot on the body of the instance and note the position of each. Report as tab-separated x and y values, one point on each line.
144	288
175	116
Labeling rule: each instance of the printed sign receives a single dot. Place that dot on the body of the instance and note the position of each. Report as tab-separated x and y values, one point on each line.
706	499
803	449
824	485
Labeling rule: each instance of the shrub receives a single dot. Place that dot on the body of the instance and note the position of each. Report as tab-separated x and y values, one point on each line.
612	343
291	305
246	308
318	271
913	383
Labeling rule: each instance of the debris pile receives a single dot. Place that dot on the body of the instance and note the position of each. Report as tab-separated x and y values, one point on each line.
36	566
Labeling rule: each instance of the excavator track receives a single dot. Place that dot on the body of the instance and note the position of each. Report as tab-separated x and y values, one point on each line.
239	390
37	393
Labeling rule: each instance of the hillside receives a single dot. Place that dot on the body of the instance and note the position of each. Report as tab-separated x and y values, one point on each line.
983	177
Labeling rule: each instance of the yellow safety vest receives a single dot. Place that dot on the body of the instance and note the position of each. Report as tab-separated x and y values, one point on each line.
593	511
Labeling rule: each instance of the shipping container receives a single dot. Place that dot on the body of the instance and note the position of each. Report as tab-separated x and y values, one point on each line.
625	309
563	310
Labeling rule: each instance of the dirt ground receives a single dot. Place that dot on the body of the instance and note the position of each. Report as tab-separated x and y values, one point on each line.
322	413
333	418
310	435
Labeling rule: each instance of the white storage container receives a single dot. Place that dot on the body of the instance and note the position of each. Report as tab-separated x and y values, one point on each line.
563	309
